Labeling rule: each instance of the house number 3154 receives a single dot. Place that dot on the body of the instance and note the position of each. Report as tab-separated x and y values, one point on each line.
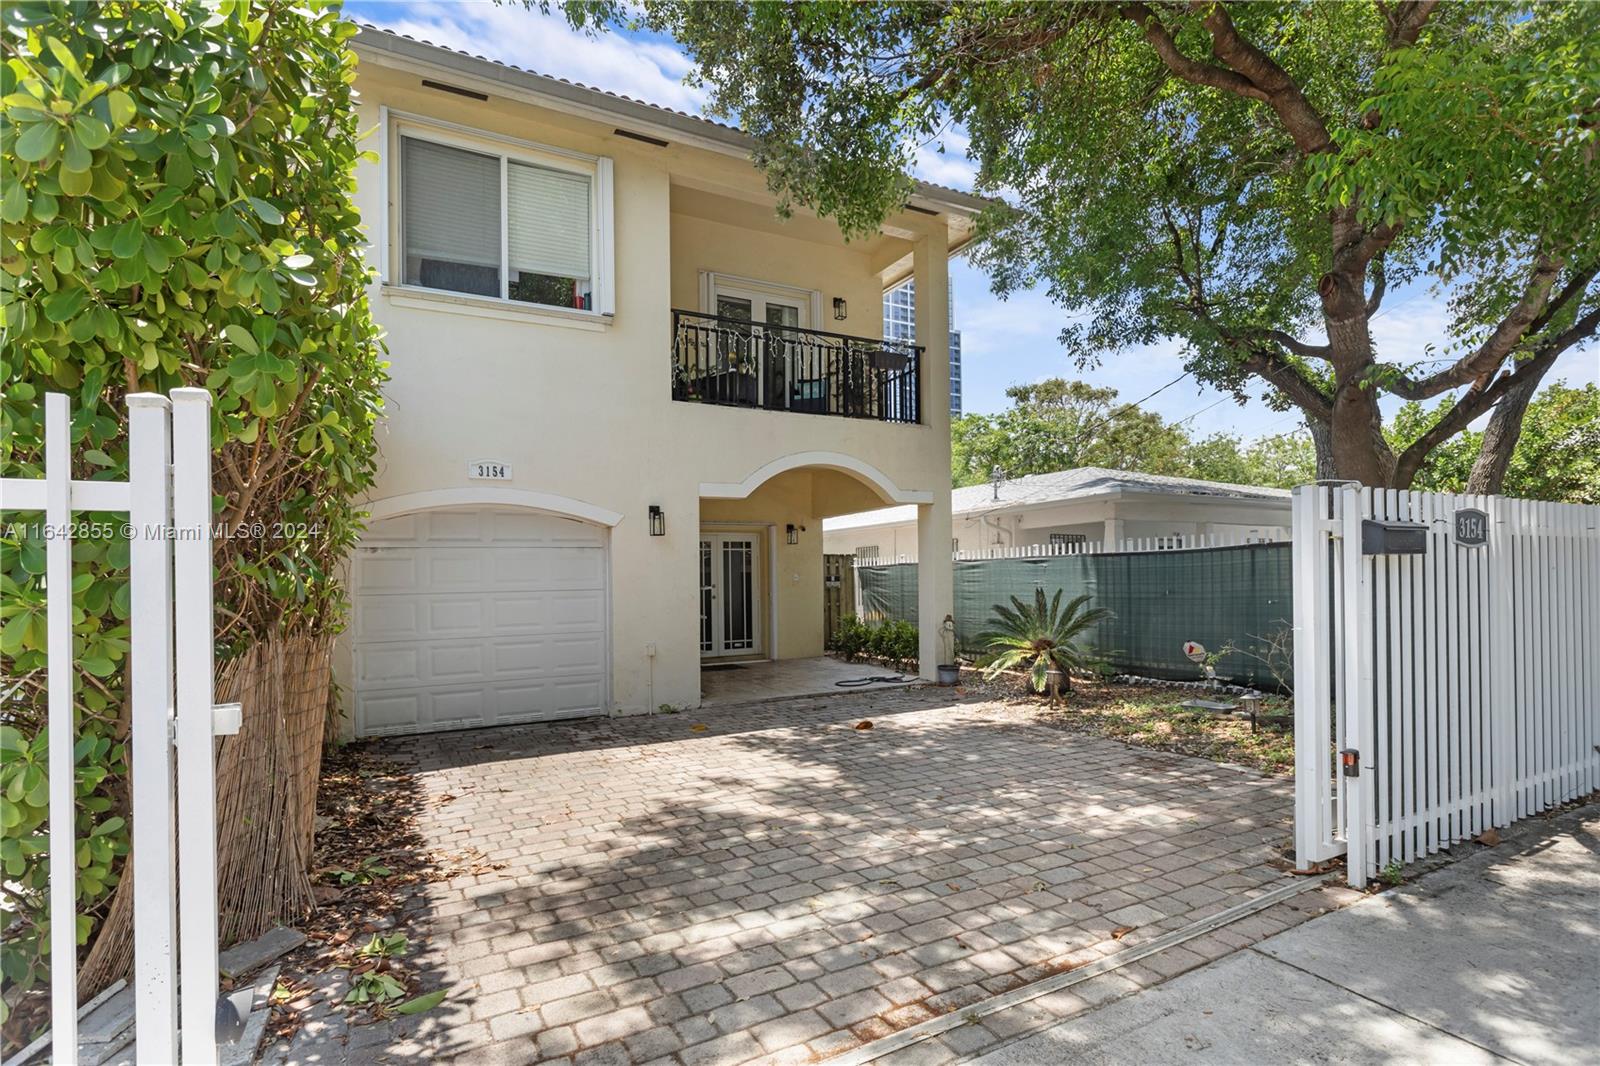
489	470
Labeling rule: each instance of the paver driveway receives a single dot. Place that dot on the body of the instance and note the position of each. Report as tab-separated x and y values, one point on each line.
771	883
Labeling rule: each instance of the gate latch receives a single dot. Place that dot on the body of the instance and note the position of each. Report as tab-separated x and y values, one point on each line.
226	718
1350	760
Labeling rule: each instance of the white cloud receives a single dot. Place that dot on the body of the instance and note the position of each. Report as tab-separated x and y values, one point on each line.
948	167
646	70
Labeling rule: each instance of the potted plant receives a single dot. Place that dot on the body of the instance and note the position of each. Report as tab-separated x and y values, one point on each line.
1042	639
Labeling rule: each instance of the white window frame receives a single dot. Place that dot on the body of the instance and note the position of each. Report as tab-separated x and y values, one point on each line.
713	284
602	254
1069	538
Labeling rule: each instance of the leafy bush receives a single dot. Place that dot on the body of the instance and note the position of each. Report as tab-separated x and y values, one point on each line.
176	212
892	641
1041	637
850	637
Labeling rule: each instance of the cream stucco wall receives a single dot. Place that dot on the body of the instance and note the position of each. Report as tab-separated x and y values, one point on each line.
582	409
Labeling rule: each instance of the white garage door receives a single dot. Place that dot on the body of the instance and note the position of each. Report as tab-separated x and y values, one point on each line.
477	617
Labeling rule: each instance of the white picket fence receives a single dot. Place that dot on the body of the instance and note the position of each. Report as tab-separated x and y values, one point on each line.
167	500
1442	692
1185	542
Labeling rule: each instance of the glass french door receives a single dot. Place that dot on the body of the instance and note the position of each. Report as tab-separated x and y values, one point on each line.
729	618
756	335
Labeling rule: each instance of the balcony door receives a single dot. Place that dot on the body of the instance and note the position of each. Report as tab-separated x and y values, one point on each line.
758	338
729	612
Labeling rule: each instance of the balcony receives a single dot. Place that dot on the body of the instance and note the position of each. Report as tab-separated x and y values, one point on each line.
738	363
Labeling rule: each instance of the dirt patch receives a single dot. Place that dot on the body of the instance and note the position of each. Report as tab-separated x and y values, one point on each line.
370	866
1153	718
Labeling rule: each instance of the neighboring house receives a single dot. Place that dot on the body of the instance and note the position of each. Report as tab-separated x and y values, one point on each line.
900	324
624	396
1088	505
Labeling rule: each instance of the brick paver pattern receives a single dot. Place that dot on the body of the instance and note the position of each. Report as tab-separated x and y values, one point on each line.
770	883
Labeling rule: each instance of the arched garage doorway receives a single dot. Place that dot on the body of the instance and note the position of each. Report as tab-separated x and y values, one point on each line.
480	611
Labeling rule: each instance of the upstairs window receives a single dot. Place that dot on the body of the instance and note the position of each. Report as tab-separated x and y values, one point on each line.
506	226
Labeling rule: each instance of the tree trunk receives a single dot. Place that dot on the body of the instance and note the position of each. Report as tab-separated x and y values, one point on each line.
1500	439
1322	440
1359	450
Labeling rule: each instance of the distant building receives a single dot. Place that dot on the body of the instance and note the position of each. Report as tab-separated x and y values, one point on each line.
1087	505
900	324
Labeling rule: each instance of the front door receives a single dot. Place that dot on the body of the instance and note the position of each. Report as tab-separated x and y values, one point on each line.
729	620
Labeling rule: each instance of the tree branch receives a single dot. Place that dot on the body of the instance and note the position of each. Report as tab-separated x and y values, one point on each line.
1531	312
1303	122
1191	70
1380	284
1288	379
1298	347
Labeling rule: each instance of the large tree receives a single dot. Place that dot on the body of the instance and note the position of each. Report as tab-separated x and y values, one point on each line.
1250	178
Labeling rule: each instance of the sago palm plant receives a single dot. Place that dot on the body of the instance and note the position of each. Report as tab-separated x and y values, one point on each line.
1041	637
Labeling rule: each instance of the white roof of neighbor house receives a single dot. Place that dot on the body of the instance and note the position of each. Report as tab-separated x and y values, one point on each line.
1083	482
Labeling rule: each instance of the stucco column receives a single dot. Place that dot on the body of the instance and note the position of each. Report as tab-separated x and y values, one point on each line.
935	577
1112	534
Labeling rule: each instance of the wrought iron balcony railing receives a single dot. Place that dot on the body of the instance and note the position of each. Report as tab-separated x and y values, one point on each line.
737	363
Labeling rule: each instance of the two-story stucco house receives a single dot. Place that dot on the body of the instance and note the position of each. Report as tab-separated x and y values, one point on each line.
624	396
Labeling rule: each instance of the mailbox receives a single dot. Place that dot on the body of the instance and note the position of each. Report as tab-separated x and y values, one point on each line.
1393	538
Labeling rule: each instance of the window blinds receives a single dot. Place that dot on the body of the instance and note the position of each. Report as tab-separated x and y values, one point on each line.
547	223
451	208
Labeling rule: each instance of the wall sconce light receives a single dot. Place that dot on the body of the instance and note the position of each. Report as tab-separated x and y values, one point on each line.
793	533
841	310
658	521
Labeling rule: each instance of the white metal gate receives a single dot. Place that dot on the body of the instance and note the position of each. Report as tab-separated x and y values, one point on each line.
167	499
1446	673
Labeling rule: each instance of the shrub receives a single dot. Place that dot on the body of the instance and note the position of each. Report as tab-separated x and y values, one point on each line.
850	638
1040	637
176	212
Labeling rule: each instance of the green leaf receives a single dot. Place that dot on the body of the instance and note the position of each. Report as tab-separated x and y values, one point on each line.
265	211
76	182
14	205
421	1003
92	133
37	141
123	109
241	339
74	156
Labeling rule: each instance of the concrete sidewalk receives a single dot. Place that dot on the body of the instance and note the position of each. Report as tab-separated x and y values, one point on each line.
1493	959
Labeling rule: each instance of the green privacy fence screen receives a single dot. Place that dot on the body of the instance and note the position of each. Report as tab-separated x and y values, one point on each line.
1238	596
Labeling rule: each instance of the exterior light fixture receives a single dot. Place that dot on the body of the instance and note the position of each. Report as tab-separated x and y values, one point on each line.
658	521
794	534
841	310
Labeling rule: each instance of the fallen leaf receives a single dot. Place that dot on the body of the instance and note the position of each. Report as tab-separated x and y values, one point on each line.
421	1003
698	727
1489	837
1121	931
863	725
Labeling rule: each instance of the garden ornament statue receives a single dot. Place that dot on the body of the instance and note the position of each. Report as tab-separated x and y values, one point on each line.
948	669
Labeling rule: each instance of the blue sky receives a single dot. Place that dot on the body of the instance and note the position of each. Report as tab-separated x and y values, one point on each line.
1004	343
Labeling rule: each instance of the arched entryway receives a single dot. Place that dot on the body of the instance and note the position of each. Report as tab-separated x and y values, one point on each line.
759	567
